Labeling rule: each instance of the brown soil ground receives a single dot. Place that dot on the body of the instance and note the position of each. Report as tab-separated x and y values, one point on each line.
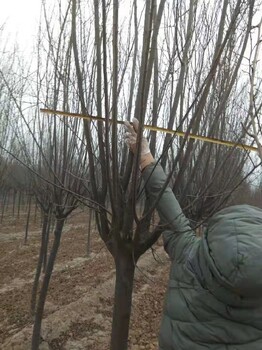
78	310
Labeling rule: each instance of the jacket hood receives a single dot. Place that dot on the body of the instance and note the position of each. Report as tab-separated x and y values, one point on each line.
230	255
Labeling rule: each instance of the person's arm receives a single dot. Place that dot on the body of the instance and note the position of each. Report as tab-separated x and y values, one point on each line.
178	234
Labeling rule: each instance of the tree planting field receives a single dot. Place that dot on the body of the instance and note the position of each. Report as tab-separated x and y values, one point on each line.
79	305
181	68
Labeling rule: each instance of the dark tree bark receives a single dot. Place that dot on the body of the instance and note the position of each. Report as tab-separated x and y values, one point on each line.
88	244
39	264
27	219
45	284
125	269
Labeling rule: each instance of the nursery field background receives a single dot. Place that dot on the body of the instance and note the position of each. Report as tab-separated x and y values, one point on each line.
79	305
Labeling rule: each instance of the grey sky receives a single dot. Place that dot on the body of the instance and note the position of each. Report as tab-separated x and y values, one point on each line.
20	19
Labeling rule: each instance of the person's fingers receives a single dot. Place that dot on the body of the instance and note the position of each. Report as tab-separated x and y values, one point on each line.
132	128
129	128
130	138
135	124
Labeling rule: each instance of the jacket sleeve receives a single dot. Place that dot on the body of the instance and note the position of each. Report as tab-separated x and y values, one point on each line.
178	235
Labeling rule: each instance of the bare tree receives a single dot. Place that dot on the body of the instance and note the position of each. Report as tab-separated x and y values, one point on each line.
200	99
52	152
173	64
255	111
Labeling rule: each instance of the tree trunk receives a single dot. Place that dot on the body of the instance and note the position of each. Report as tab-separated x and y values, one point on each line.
44	289
19	204
39	265
27	219
35	216
4	205
14	201
88	245
125	268
46	238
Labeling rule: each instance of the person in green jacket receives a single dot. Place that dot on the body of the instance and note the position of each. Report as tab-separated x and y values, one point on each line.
214	295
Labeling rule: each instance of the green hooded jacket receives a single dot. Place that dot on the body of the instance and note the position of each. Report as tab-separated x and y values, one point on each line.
214	295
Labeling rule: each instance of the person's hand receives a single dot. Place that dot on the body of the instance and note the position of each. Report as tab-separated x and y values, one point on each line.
146	157
131	137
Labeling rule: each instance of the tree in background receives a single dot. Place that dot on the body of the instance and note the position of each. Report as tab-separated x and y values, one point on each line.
255	103
53	154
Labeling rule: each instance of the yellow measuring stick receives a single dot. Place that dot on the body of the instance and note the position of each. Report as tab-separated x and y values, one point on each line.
155	128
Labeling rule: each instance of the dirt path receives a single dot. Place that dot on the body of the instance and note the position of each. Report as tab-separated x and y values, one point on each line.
79	305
